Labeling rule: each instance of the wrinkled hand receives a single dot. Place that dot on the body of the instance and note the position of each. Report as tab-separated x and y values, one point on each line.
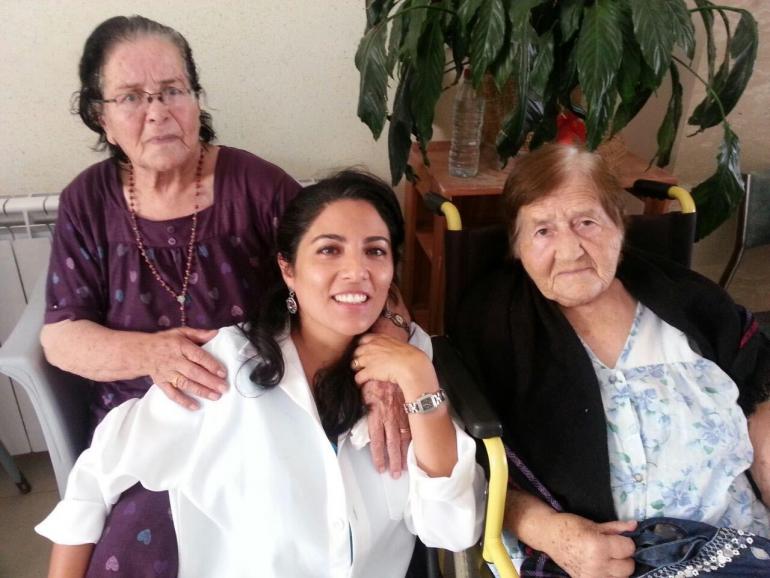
390	370
388	424
590	550
387	421
181	368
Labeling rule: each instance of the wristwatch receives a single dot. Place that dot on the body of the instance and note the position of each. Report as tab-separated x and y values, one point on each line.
426	403
396	319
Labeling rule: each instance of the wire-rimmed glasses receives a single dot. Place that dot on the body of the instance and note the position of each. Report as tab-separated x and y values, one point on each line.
135	100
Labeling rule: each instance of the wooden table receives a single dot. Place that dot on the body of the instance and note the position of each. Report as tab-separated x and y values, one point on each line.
479	201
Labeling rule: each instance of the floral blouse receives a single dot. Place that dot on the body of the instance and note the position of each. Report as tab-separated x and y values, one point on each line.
678	442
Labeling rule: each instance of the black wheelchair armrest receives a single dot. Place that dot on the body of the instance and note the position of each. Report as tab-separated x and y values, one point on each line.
472	407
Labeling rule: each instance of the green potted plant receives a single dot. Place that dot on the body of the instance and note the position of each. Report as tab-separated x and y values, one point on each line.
618	52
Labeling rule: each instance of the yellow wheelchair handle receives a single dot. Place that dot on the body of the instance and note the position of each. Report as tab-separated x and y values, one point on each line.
494	551
440	205
684	197
452	215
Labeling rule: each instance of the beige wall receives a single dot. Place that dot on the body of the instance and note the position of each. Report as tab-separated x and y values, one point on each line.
280	81
279	76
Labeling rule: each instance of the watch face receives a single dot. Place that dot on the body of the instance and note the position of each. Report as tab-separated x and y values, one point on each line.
426	403
399	319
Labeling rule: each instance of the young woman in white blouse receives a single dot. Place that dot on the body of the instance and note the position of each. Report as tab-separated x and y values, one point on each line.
275	479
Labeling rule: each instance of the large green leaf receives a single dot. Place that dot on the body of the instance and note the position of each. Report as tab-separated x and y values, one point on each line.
636	82
743	49
717	197
398	27
599	52
545	128
376	11
456	41
400	130
371	64
569	17
526	117
629	108
598	119
467	10
505	65
529	109
708	24
670	125
543	63
418	15
684	32
656	30
630	70
428	75
486	38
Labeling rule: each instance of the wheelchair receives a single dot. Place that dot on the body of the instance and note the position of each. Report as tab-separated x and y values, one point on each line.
473	253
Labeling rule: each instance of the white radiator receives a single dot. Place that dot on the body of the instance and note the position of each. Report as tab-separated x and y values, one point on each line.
25	241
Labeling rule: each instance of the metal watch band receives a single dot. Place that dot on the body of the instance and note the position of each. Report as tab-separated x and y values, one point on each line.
426	403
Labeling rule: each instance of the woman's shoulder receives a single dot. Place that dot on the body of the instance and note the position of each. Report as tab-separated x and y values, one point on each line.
241	162
87	196
91	183
229	343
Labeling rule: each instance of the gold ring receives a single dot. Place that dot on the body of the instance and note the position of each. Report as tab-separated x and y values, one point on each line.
355	364
175	382
404	430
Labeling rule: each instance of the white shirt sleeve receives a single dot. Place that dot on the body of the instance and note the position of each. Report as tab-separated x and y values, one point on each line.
447	512
148	440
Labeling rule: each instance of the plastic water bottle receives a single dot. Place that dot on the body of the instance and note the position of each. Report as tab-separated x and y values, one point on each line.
468	118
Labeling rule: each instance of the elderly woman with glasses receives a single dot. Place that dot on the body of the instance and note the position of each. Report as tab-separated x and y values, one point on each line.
155	248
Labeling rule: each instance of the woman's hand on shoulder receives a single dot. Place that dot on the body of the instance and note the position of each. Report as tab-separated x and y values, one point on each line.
388	426
585	549
181	368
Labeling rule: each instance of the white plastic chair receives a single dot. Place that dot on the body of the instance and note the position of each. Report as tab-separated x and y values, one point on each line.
60	399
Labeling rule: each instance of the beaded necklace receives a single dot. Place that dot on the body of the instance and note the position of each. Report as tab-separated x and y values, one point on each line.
181	296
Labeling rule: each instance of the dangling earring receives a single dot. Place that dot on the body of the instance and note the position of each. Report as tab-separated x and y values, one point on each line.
291	303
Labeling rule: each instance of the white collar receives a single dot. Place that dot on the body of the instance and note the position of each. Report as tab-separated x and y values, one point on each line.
296	386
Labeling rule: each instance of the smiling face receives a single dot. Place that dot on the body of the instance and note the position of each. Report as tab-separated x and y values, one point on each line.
568	244
155	137
342	271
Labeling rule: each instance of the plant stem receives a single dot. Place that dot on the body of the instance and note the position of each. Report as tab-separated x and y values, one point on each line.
705	84
715	7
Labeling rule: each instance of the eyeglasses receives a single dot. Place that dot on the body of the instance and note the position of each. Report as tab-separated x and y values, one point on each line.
136	100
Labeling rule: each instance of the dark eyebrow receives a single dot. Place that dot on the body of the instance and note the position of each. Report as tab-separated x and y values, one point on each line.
377	238
341	239
138	86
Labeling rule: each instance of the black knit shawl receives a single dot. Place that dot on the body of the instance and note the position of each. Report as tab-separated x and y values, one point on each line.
535	371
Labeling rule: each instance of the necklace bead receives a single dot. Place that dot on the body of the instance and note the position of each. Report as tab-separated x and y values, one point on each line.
181	295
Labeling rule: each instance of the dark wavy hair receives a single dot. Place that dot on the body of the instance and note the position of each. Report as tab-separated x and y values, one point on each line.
337	396
110	33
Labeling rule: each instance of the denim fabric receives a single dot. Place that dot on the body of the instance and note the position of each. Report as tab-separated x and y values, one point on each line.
673	548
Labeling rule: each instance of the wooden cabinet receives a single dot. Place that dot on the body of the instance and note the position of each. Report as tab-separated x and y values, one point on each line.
479	202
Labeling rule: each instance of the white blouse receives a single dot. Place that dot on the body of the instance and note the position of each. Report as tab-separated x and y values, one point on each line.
256	489
678	441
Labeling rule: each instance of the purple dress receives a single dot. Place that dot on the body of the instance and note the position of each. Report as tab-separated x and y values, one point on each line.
97	273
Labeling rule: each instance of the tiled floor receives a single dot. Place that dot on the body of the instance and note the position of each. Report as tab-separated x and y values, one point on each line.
24	554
